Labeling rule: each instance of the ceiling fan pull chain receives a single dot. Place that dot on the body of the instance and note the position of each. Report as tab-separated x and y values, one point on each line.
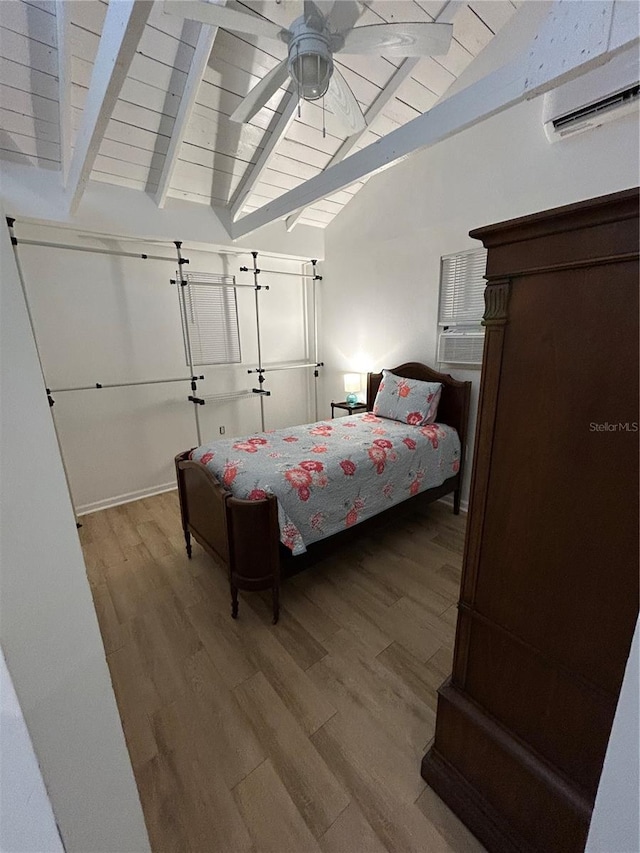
324	129
298	84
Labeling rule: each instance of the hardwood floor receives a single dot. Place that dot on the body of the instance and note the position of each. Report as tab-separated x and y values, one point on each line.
304	737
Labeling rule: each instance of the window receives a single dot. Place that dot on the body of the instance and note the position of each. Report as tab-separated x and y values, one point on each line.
211	322
462	284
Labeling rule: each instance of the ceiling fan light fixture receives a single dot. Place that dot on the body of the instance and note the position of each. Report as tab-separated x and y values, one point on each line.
312	74
310	60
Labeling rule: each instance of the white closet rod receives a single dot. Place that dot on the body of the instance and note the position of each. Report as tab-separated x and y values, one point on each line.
99	235
218	284
145	257
280	272
94	251
234	395
286	367
99	385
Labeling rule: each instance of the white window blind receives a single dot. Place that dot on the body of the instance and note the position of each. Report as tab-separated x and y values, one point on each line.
462	287
462	284
211	318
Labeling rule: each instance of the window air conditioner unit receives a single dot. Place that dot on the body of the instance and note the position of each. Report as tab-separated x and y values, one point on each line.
599	96
460	346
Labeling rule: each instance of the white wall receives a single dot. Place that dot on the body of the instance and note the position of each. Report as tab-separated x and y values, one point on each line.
615	825
48	627
380	298
107	319
27	823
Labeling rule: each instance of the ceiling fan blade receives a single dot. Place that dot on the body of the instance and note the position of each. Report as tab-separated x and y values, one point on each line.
261	93
228	19
313	17
343	15
399	39
342	103
325	7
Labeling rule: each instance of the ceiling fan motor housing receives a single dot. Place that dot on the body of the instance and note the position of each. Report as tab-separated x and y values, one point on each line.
310	61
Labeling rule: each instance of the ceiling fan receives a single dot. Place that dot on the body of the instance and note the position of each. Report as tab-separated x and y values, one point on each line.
324	29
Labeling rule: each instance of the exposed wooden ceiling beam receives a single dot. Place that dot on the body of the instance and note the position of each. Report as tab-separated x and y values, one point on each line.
445	16
253	175
201	55
382	99
63	42
574	38
123	27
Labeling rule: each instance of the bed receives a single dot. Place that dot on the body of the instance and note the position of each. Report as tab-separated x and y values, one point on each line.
258	504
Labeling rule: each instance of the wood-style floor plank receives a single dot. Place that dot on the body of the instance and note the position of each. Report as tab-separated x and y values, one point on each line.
110	627
260	647
422	678
311	785
289	632
328	597
350	832
171	570
207	809
137	698
408	575
379	785
159	793
165	639
207	705
440	628
261	796
221	643
351	678
440	815
301	737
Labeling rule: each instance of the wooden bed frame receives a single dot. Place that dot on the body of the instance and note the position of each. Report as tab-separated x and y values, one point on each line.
245	536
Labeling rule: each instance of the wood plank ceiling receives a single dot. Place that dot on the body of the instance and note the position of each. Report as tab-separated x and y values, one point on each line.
216	155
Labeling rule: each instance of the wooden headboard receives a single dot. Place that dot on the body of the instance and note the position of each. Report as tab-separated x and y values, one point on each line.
454	403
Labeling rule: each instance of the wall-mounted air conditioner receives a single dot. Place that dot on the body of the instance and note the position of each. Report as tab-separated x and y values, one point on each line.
602	95
461	346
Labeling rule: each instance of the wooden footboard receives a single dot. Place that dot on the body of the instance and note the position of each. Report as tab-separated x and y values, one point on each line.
243	535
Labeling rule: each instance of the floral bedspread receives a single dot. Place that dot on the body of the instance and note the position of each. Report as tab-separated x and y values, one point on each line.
336	473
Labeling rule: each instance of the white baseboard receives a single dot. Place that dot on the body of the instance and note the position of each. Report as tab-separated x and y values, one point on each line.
96	506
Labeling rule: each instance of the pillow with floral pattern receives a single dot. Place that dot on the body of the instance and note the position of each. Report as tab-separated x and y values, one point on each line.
407	400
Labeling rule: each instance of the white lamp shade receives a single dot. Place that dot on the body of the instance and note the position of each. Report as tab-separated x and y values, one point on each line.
352	383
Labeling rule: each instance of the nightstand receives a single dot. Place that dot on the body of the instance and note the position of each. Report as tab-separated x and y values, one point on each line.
356	407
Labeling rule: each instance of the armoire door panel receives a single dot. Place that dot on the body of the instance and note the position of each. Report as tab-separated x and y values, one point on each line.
551	471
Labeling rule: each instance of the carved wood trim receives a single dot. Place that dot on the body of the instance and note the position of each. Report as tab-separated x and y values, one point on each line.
496	301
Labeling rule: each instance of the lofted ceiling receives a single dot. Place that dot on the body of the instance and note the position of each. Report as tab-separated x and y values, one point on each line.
212	160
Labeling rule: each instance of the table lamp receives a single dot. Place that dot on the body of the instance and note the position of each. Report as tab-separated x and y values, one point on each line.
352	386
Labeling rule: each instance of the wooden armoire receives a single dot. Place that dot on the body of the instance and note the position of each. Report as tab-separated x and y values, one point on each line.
549	595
